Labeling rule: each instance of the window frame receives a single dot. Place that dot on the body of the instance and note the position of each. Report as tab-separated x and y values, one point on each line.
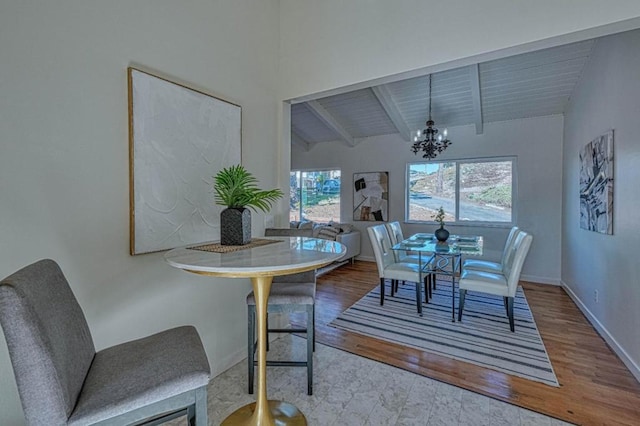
475	223
312	170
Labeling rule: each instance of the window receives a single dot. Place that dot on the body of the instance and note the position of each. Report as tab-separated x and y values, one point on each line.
478	191
315	195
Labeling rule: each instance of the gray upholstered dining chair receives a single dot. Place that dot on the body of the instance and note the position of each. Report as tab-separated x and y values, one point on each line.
503	283
289	293
388	268
488	266
63	381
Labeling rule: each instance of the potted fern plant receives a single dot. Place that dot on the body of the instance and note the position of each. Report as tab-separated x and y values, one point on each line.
441	233
237	189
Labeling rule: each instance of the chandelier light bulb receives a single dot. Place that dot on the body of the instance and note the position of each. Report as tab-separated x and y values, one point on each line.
444	132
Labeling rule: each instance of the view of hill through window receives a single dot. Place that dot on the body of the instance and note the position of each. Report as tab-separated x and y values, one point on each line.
484	190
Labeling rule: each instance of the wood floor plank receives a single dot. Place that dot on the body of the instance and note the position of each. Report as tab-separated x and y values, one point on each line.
595	386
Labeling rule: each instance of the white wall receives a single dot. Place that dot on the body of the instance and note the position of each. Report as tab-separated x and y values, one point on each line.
333	43
536	142
64	154
608	97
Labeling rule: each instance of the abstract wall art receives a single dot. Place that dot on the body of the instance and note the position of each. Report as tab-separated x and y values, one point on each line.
371	196
179	138
596	185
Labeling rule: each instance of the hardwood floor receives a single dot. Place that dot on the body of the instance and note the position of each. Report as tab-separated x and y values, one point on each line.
595	386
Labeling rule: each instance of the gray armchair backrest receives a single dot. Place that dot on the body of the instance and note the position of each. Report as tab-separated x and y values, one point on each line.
513	268
50	345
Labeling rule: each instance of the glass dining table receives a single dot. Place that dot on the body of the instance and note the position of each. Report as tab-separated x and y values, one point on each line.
442	258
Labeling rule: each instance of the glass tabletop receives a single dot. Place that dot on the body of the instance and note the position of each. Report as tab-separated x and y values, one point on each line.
455	244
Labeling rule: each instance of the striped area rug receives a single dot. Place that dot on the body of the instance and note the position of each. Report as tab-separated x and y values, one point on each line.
482	338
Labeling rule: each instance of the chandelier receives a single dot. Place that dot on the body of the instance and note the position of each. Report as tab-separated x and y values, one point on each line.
433	143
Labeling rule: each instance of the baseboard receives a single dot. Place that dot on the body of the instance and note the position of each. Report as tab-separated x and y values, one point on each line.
531	278
540	280
228	362
276	320
604	333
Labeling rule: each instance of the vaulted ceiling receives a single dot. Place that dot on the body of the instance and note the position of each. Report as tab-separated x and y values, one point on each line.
528	85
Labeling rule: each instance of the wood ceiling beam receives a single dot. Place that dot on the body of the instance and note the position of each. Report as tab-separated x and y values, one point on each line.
300	141
390	107
329	120
474	77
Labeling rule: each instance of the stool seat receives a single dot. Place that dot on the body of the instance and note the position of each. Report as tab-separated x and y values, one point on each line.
288	294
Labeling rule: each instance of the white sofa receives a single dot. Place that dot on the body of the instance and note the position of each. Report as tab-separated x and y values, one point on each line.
344	235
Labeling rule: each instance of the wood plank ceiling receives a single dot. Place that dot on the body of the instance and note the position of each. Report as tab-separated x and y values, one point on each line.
533	84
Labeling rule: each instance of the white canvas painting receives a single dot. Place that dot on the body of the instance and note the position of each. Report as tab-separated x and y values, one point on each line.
596	185
180	138
371	196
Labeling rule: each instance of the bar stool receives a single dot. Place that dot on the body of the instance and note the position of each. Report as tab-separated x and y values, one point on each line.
289	293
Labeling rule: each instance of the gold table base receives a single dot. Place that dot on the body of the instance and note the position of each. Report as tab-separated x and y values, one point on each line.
282	413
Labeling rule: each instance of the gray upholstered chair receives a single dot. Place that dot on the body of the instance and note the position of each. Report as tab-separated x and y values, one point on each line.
488	266
289	293
63	381
503	283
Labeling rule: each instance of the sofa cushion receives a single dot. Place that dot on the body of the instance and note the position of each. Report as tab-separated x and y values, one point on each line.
328	232
345	228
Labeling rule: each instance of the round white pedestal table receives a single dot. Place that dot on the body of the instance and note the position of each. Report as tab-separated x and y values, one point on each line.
288	255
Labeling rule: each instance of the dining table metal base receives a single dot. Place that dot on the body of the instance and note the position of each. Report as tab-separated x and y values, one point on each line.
282	413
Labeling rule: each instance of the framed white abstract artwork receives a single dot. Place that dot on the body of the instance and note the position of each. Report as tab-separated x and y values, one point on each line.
371	196
596	185
179	138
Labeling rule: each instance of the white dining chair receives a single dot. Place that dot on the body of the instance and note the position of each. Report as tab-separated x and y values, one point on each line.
396	236
388	268
488	266
502	284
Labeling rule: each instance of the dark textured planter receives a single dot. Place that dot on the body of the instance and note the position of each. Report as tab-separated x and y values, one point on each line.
235	227
441	234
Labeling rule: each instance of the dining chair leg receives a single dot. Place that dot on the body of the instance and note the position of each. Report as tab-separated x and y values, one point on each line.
381	291
463	293
266	340
433	284
506	306
310	339
419	297
251	346
510	314
313	318
393	287
427	283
